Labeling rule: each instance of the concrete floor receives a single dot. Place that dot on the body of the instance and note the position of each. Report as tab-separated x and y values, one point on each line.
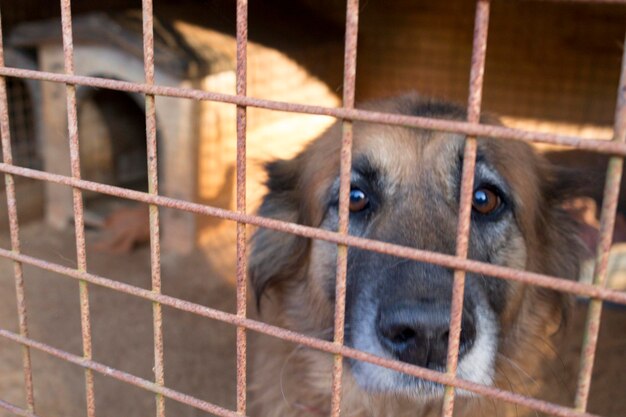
199	353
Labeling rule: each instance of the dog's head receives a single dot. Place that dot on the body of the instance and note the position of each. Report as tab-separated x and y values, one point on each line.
405	190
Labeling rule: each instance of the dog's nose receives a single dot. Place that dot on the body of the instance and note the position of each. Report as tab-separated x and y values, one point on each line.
418	333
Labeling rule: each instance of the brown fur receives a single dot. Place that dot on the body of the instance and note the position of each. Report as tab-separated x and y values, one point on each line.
291	272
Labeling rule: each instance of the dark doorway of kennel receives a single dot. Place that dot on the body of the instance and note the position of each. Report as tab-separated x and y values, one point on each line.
25	149
112	131
24	146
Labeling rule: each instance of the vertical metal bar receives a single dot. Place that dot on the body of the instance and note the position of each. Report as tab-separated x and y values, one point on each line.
349	82
79	224
14	231
242	259
479	49
153	188
607	225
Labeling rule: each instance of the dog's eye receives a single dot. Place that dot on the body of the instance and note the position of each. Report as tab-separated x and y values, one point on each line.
358	200
486	201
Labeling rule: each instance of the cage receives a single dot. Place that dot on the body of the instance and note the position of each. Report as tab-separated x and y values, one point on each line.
551	69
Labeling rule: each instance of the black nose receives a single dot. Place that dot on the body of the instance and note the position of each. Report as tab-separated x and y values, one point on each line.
418	333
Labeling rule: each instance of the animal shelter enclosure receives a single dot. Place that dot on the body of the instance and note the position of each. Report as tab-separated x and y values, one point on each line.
176	117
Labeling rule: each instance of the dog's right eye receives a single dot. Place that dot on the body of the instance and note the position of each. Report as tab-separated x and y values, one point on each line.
486	201
358	200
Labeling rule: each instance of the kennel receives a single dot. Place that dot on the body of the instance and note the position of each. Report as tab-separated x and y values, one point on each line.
196	145
245	105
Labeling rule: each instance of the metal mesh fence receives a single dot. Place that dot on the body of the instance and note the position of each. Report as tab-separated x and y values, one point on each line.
347	114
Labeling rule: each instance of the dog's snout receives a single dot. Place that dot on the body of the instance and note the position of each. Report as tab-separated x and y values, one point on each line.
418	333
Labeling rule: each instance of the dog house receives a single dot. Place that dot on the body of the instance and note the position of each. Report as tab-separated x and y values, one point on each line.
196	139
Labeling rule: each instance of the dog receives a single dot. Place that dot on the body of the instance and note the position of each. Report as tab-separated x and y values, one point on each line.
405	185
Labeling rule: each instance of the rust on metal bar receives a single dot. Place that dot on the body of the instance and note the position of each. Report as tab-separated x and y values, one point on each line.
15	409
477	71
345	170
242	258
447	261
79	223
153	189
585	1
466	128
294	337
14	231
119	375
607	225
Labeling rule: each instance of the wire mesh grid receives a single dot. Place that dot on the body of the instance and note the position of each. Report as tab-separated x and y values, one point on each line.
347	114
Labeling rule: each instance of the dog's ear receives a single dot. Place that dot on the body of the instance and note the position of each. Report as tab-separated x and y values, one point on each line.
277	256
577	187
558	224
578	173
561	232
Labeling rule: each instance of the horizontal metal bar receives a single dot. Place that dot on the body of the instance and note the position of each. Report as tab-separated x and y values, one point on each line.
471	129
441	259
119	375
278	332
16	410
583	1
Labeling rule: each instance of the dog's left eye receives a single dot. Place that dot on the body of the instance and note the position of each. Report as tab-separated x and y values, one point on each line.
358	200
486	201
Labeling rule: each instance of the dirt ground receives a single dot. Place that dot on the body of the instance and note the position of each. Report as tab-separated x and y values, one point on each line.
199	353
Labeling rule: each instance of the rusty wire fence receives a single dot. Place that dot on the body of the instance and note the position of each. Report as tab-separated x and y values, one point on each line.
347	114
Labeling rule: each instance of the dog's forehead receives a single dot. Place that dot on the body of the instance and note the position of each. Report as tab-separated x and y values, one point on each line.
388	148
404	155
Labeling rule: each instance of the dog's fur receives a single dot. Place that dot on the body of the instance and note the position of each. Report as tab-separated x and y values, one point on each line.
411	177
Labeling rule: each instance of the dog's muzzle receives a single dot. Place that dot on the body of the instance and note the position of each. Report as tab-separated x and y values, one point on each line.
418	332
401	310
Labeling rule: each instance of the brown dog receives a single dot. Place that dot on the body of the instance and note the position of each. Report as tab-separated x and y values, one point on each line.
404	190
